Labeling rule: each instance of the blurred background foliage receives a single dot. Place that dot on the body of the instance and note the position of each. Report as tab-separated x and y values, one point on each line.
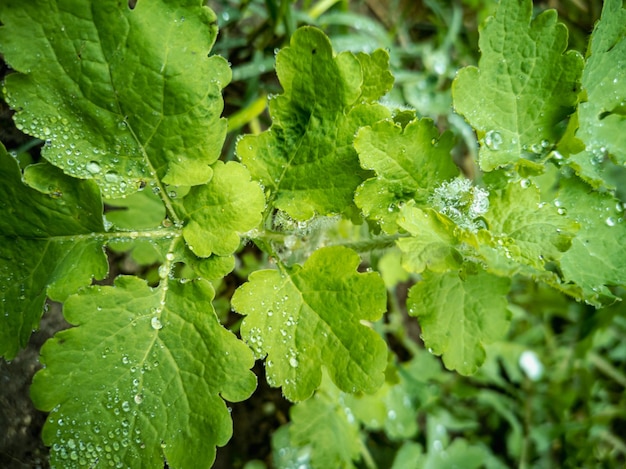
551	395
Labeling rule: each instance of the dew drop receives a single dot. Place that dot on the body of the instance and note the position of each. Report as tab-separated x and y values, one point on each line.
610	221
156	323
493	140
293	361
93	167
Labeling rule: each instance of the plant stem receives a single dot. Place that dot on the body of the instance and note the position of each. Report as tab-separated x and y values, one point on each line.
609	370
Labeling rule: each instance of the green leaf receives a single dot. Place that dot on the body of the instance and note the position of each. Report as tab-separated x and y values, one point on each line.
524	86
139	211
409	162
308	316
541	232
306	160
142	377
49	244
594	261
121	96
433	244
327	427
459	314
218	212
602	116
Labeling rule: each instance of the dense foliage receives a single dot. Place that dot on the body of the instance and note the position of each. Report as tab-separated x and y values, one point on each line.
363	241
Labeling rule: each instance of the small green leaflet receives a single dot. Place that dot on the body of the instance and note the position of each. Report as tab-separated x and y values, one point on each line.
306	160
524	86
49	244
152	366
121	96
308	316
218	211
595	260
409	162
458	313
602	115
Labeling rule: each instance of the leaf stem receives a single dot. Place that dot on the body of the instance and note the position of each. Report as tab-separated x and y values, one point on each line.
609	370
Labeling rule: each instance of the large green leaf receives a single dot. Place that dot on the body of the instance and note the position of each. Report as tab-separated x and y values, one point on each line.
306	160
595	260
524	86
459	313
311	316
409	162
119	95
151	368
50	244
602	116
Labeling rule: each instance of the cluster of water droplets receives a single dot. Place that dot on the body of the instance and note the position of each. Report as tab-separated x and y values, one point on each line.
462	202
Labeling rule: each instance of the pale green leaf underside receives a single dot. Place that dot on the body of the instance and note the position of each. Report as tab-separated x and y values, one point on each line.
602	117
310	316
409	163
151	367
458	315
524	86
306	160
219	211
119	95
48	244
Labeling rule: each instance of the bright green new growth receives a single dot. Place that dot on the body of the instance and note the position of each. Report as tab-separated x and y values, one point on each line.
163	397
524	86
49	245
409	162
120	96
306	161
311	316
217	212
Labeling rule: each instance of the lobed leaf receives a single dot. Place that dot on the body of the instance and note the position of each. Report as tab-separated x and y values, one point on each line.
308	316
602	115
524	86
458	313
540	232
433	244
409	161
49	244
306	160
152	366
219	211
120	95
594	260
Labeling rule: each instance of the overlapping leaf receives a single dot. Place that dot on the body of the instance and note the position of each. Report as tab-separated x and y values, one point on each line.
119	95
458	313
306	160
524	86
49	244
151	366
310	316
409	162
218	211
